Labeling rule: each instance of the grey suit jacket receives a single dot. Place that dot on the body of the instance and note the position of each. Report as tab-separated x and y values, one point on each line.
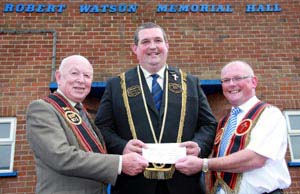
62	167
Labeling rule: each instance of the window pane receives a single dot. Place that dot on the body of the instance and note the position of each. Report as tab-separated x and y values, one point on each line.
295	141
5	151
4	130
294	122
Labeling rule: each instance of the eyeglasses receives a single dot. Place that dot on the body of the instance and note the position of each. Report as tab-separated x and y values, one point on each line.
235	79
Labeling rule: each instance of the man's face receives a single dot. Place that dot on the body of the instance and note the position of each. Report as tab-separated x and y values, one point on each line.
241	85
152	49
75	79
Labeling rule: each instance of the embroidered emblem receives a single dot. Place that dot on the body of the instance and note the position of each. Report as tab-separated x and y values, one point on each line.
175	88
133	91
243	127
73	117
219	136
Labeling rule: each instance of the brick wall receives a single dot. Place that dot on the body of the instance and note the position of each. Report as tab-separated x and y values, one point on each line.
200	43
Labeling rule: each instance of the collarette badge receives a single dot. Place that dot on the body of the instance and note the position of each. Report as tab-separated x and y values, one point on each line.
175	88
133	91
73	117
219	136
243	127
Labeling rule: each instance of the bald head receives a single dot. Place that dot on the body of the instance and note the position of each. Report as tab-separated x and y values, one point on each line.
74	77
71	60
241	64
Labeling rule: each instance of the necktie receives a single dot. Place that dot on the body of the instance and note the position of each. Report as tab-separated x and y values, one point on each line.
229	130
156	91
83	115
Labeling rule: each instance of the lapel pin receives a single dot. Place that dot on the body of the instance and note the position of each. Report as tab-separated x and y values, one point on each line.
175	76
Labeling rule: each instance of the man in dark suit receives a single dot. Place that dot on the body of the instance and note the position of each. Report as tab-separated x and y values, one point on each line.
69	150
129	116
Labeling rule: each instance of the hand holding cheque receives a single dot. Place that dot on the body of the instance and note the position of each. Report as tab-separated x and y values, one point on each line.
164	155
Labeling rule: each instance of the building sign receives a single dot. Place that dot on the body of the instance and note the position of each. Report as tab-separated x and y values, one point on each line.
133	8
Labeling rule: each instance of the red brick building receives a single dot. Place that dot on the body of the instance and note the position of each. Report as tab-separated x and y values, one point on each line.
203	36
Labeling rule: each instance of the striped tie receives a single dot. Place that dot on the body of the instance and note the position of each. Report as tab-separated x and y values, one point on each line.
83	115
229	130
156	91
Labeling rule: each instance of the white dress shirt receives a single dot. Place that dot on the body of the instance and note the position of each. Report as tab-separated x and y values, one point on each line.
160	79
268	138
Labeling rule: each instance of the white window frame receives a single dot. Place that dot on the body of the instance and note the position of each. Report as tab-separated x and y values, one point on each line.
11	140
292	132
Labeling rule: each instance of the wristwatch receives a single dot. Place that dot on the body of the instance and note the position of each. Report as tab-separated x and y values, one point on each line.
205	165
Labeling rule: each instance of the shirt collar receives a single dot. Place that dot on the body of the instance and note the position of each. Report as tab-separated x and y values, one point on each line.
70	101
249	104
160	72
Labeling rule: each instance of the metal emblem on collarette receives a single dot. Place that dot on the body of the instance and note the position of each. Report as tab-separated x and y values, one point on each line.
73	117
243	127
175	88
133	91
219	135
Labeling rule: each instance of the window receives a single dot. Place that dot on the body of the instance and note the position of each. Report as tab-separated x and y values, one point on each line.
293	124
7	143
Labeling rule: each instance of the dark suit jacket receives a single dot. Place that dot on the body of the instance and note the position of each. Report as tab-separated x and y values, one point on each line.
62	167
199	126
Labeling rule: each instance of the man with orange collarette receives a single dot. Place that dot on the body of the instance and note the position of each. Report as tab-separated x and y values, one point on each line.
69	150
251	141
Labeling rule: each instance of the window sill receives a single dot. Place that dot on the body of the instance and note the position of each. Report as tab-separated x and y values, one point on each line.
9	174
294	164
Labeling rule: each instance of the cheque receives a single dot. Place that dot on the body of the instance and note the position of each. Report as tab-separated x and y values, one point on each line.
164	153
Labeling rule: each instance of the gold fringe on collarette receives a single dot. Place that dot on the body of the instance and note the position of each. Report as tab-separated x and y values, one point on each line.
158	171
225	187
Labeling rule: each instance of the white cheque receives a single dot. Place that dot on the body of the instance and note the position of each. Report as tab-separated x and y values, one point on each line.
164	153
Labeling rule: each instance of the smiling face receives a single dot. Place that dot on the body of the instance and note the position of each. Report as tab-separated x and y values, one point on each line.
241	85
74	77
151	49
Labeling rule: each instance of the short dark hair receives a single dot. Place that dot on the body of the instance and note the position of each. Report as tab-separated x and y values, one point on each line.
147	25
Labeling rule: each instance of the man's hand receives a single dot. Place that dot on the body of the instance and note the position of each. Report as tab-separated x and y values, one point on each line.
134	145
189	165
192	148
133	164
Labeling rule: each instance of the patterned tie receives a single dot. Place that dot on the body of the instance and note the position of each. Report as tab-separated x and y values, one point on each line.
156	91
84	117
229	130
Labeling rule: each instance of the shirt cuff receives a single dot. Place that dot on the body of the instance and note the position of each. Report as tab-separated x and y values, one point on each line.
120	166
